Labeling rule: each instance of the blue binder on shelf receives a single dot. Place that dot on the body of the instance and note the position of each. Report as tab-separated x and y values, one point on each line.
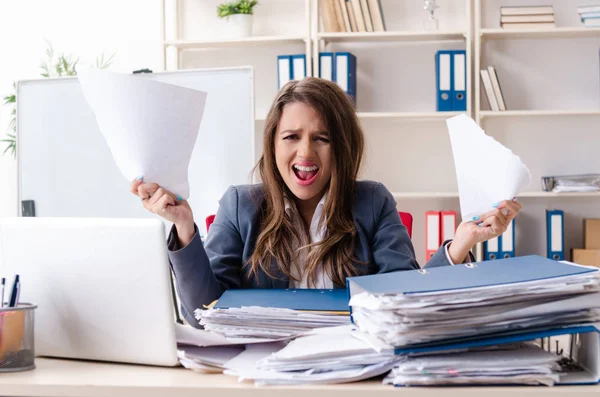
326	66
459	80
331	300
491	249
345	72
284	70
298	66
555	234
507	241
444	80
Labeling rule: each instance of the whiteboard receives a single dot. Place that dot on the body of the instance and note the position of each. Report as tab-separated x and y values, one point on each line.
65	166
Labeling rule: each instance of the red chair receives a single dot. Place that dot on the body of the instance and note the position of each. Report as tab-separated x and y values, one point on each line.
405	217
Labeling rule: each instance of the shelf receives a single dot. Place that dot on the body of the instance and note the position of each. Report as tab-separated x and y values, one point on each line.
392	36
398	115
529	33
407	115
525	113
441	195
241	42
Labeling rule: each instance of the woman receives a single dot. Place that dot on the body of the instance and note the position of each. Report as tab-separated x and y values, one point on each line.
310	223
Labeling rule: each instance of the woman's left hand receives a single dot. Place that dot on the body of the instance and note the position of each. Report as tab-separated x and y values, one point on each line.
482	228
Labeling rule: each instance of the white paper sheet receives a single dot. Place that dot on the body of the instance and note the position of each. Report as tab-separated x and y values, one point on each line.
150	127
188	335
486	171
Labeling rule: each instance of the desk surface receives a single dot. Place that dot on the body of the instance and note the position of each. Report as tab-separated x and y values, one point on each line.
54	377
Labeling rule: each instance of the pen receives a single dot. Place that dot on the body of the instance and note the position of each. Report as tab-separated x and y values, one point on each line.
14	292
2	296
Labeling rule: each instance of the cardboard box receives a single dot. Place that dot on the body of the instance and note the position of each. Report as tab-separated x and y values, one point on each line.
592	234
586	257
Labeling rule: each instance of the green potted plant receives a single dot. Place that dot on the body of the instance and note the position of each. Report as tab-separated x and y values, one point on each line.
239	15
53	66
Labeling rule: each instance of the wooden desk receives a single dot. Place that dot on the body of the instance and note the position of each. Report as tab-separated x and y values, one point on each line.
54	377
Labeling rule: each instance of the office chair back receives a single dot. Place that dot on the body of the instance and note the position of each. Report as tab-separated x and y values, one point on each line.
405	217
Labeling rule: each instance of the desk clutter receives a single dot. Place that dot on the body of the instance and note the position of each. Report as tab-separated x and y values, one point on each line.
16	330
487	323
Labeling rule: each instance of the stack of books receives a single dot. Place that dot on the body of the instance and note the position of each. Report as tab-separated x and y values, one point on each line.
351	15
590	15
491	85
518	17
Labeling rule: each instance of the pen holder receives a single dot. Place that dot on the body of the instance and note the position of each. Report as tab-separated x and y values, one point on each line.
16	338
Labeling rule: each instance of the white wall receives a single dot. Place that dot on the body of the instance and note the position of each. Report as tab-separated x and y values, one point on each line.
131	28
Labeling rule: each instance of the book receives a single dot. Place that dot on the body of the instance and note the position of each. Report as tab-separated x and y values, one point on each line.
376	15
588	8
345	16
367	15
327	17
527	18
351	16
489	89
591	22
496	86
526	10
531	25
358	16
338	15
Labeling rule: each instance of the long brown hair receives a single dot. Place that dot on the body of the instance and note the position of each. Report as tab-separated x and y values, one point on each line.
277	234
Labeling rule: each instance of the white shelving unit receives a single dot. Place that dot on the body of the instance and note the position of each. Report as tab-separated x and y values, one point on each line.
323	39
454	195
482	34
529	33
234	43
409	148
537	113
181	44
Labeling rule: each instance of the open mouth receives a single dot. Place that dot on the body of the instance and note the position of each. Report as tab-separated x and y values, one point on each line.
305	174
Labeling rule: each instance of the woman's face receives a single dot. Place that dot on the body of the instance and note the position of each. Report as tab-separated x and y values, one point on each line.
303	151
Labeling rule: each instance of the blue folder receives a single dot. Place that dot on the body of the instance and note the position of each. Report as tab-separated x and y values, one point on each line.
470	275
335	300
587	350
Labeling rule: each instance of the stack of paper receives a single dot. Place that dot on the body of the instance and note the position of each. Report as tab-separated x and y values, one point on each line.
207	359
474	300
266	322
505	365
273	314
330	355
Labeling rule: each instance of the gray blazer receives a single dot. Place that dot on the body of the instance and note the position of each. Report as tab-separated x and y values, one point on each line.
203	273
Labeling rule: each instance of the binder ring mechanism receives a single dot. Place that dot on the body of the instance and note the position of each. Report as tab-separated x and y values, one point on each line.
470	265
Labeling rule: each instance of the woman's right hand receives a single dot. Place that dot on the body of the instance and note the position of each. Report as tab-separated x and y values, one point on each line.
167	205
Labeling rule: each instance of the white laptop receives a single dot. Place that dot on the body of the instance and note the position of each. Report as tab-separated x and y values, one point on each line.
102	286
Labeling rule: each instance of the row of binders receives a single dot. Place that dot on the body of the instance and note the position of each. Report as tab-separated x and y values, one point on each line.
503	246
589	15
464	324
517	17
493	91
352	15
339	67
439	227
451	80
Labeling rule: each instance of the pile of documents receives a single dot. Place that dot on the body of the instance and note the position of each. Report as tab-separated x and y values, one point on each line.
473	300
273	314
512	364
332	355
266	322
